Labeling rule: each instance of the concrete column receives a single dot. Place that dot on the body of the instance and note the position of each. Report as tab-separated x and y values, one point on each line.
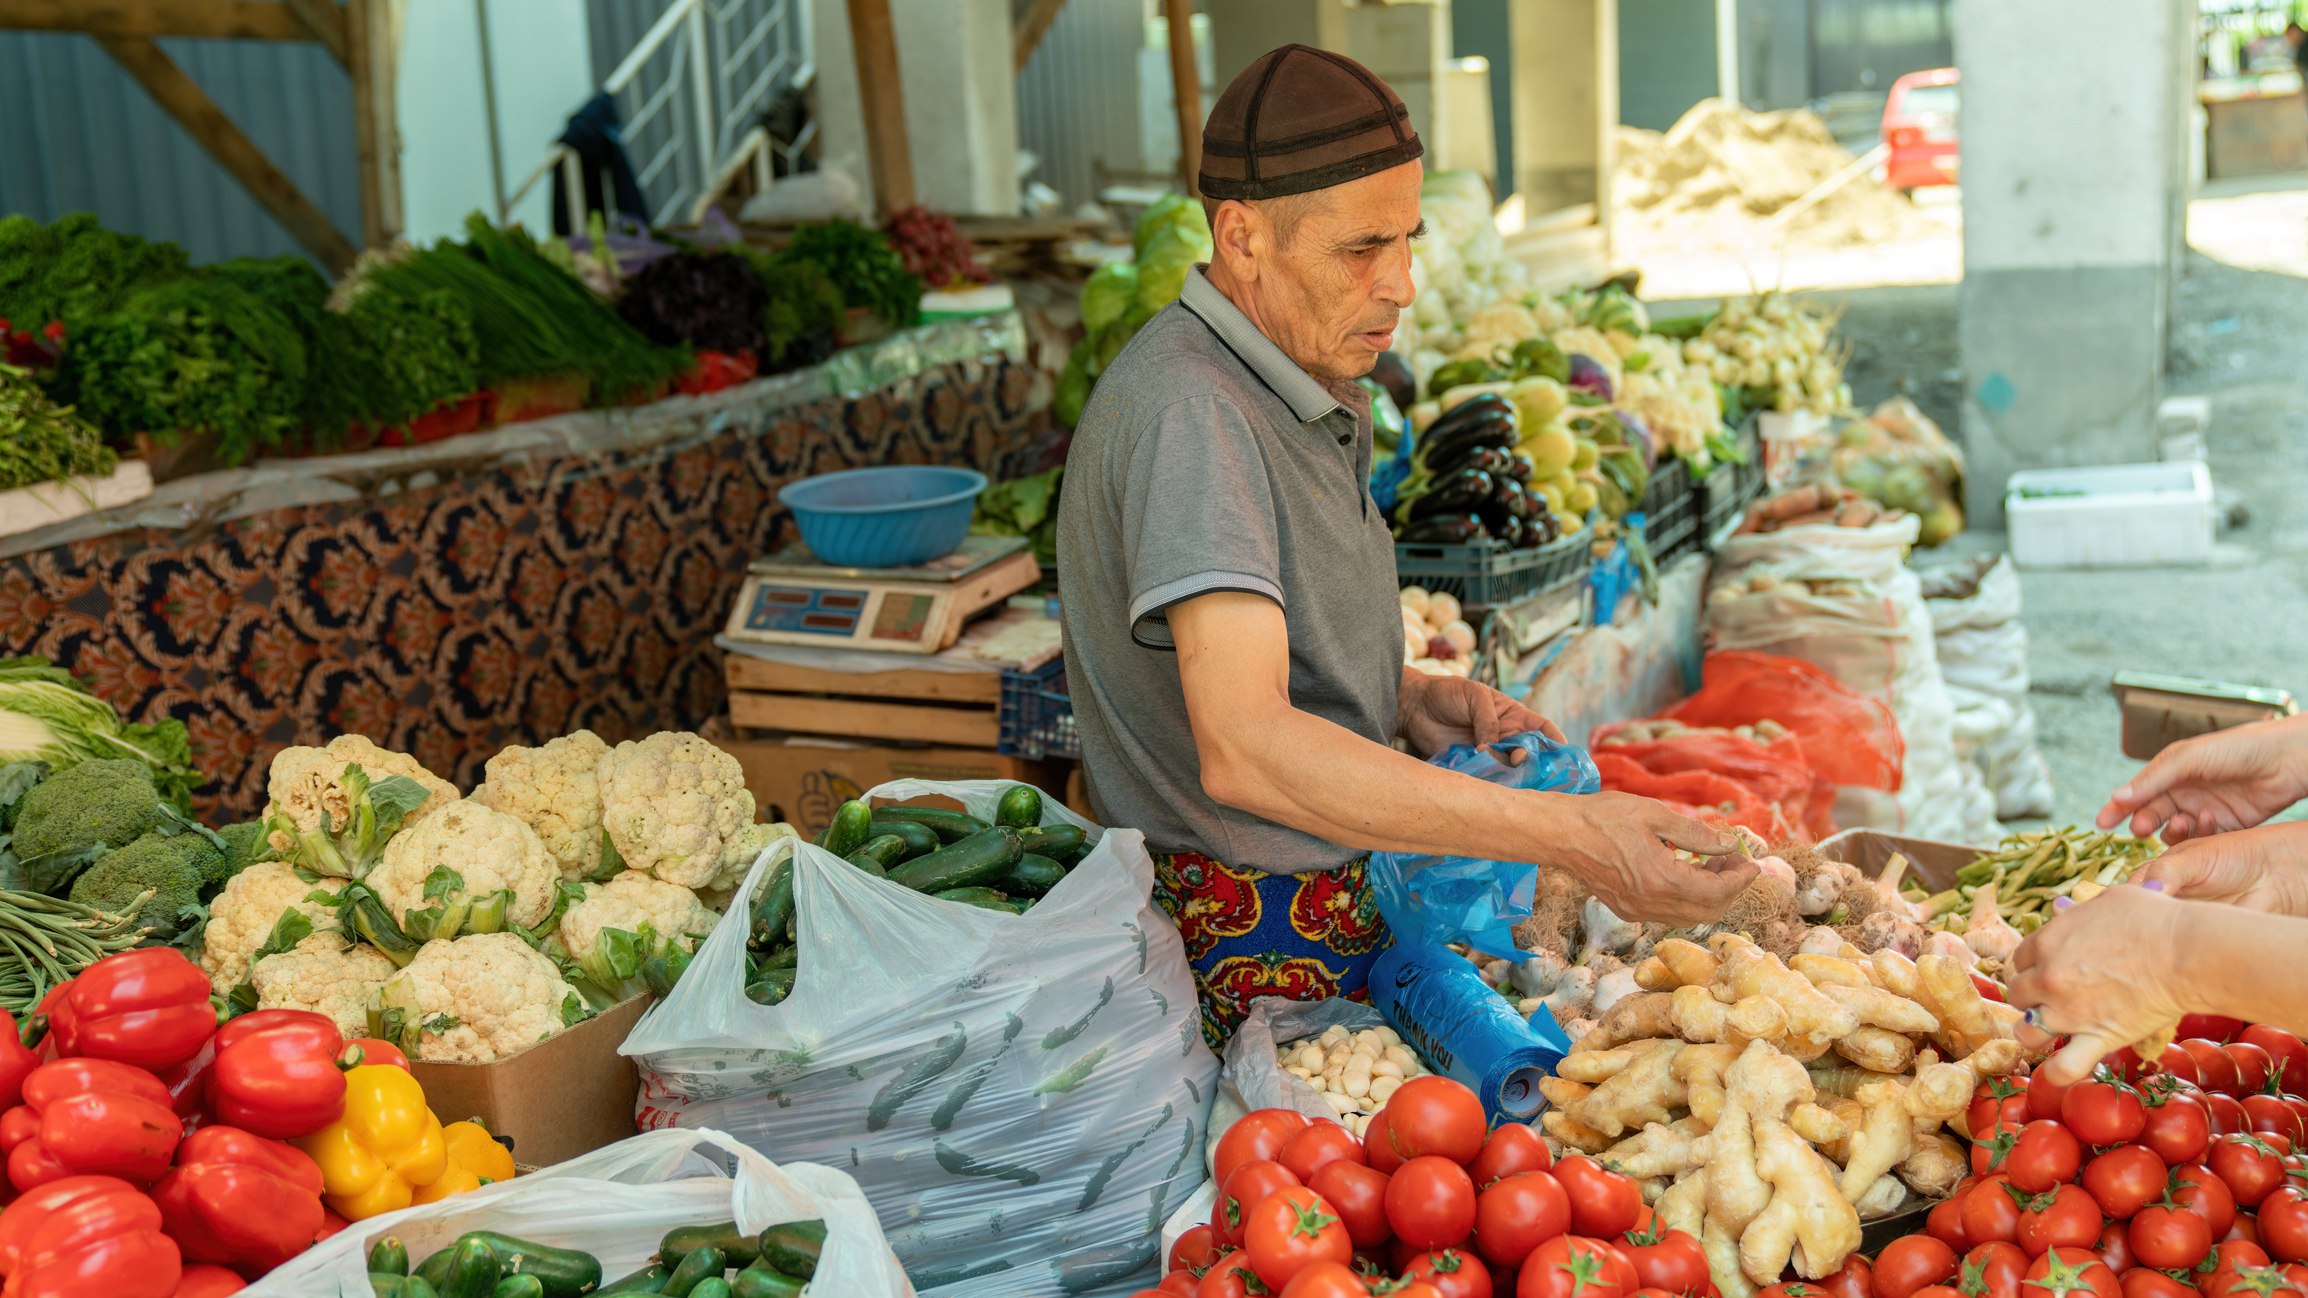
2073	192
961	101
1408	46
1241	30
1565	56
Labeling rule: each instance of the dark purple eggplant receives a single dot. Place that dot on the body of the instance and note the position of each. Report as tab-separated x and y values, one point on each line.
1444	529
1519	469
1468	489
1495	430
1490	459
1393	374
1515	535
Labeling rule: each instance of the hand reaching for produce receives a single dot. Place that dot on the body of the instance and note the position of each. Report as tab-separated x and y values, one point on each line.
2105	974
2264	869
1627	858
2227	780
1437	712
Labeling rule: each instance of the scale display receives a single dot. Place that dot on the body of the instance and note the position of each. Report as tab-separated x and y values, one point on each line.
791	599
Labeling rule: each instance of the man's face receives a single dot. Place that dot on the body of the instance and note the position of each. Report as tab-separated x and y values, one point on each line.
1330	270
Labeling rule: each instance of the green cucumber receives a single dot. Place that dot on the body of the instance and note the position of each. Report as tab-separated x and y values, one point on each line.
785	957
434	1270
979	859
1062	843
949	826
763	1281
773	909
646	1280
739	1248
565	1272
1020	808
920	839
712	1286
1033	875
474	1270
519	1286
865	861
696	1265
401	1286
771	988
794	1247
852	826
982	898
884	850
389	1256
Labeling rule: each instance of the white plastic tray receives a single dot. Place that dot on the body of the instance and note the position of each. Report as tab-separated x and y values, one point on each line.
2111	516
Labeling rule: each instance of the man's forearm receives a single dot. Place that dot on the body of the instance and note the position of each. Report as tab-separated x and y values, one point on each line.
2244	964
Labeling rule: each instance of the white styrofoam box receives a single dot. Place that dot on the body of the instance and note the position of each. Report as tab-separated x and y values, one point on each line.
2111	516
44	503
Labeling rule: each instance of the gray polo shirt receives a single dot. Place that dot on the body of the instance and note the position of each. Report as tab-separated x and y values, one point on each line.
1208	461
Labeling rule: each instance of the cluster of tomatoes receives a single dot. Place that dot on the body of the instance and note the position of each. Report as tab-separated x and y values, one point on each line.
2175	1178
1427	1204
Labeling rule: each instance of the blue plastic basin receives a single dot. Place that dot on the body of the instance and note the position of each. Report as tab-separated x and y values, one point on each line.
896	517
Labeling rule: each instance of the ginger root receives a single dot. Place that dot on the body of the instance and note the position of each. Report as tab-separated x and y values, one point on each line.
1806	1220
1878	1050
1574	1135
1594	1067
1936	1167
1754	972
1690	963
1641	1017
1829	970
1878	1008
1644	1092
1885	1139
1700	1068
1684	1206
1660	1149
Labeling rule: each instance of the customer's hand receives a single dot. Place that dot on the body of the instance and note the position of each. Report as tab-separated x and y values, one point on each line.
1623	848
2103	974
2264	869
1437	712
2226	780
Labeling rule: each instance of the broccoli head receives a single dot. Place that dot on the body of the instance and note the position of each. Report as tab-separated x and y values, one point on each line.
171	866
244	846
110	801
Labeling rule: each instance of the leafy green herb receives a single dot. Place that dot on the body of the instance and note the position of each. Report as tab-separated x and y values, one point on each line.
74	268
195	354
41	441
861	264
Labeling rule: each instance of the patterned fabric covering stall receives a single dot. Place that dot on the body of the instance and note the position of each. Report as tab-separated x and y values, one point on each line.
496	589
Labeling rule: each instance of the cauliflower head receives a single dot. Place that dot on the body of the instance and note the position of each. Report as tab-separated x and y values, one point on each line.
740	852
306	783
554	790
481	997
465	869
636	903
325	975
672	803
243	916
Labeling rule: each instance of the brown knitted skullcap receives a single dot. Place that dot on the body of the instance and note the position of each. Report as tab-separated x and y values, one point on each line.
1299	119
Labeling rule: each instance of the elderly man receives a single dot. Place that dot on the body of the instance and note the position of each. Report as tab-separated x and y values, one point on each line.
1233	644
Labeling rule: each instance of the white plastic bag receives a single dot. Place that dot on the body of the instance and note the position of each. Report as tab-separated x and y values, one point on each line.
1251	1076
617	1203
1021	1097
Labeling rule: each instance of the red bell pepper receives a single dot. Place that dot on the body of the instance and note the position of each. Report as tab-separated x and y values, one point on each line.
279	1073
187	1085
374	1051
147	1007
208	1280
87	1235
55	1010
17	1060
240	1200
96	1118
331	1223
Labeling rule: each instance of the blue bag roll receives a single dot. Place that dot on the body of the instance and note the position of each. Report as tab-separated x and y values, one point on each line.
1466	1031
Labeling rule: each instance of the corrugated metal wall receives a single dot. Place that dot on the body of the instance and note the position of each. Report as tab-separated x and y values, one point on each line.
1078	99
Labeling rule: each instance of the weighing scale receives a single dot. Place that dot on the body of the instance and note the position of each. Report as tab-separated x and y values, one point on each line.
794	598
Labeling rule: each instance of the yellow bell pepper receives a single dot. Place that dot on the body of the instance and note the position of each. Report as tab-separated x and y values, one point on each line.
475	1160
386	1147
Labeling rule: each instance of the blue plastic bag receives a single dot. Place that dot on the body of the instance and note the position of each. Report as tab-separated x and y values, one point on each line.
1436	900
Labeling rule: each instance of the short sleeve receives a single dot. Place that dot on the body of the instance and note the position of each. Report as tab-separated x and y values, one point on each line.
1198	513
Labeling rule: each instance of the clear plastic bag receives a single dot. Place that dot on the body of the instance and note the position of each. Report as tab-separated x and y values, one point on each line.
1435	900
617	1203
1021	1097
1255	1081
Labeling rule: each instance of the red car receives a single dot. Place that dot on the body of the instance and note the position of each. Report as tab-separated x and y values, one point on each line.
1919	129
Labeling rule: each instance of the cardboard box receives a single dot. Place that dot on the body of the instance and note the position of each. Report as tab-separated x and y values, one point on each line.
2160	711
801	780
1933	862
567	1096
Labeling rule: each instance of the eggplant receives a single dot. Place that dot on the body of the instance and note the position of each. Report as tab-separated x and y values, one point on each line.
1519	469
1443	529
1393	374
1468	489
1441	448
1515	535
1490	459
1474	407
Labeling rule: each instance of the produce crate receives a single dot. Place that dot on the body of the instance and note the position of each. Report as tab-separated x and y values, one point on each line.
1671	512
1489	575
1727	491
1037	714
1930	860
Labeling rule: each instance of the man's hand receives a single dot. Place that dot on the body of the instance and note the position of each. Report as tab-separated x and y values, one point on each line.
1437	712
1625	855
2226	780
2264	869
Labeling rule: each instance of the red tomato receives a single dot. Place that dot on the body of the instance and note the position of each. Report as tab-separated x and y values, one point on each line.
1378	1147
2066	1271
1911	1263
1572	1266
1324	1279
1998	1104
1414	1289
1358	1195
1179	1284
1512	1148
2286	1051
2068	1217
1195	1249
2103	1113
2284	1224
1604	1205
1856	1279
1248	1187
2247	1229
1518	1214
2169	1239
1437	1117
2221	1274
1791	1289
1989	1213
2179	1065
1230	1277
1672	1260
2179	1130
1431	1203
2272	1115
1945	1221
2215	1070
1940	1290
1254	1138
2142	1282
2044	1099
2253	1167
1995	1270
2196	1189
1321	1142
2254	1066
2124	1180
2228	1114
2046	1153
1452	1273
2211	1027
1291	1230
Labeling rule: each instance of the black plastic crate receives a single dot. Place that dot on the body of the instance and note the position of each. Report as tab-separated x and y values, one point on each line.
1038	714
1727	491
1489	575
1671	511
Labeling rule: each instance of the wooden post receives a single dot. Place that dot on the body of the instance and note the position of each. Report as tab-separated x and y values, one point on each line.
184	100
1186	84
376	120
259	20
873	38
1040	14
326	21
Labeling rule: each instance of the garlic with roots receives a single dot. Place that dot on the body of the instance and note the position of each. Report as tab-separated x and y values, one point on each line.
1888	896
1539	974
1823	891
1574	997
1953	947
1820	940
1607	934
1989	934
1614	987
1887	931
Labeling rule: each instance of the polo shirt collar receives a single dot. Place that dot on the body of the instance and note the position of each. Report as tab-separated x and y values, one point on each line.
1302	392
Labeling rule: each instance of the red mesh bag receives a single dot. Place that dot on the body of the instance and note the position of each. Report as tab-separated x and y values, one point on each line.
1731	778
1848	737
